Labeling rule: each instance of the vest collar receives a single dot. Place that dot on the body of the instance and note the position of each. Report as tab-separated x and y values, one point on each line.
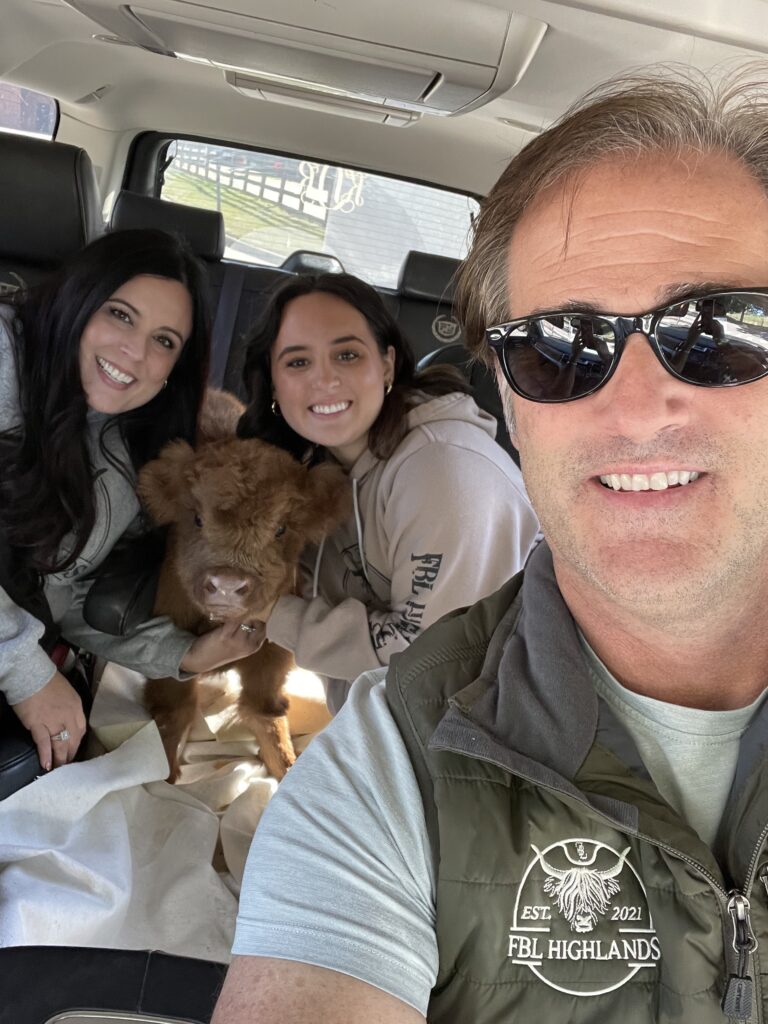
534	694
534	711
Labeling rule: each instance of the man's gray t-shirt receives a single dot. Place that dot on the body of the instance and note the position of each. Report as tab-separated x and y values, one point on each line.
690	753
339	874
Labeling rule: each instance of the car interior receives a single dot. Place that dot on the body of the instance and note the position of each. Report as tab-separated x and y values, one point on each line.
282	137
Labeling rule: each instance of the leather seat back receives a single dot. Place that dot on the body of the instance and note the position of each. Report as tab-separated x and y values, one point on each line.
202	229
49	207
425	302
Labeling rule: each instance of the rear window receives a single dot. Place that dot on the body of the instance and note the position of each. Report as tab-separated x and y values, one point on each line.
276	205
26	112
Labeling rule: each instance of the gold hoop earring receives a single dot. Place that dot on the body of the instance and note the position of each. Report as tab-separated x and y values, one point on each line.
388	388
275	407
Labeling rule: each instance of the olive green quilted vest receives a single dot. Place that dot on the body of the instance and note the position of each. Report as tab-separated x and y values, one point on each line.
582	899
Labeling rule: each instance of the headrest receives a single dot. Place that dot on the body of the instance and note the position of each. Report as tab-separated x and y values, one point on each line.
425	276
202	229
50	204
305	262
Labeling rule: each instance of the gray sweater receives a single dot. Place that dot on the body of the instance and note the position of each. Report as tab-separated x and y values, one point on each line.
157	647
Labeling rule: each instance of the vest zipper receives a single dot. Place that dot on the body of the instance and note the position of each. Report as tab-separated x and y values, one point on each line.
738	996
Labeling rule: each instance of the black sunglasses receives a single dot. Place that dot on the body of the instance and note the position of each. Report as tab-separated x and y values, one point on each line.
713	341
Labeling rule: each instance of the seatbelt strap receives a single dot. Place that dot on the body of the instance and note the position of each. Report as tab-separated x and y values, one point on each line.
224	323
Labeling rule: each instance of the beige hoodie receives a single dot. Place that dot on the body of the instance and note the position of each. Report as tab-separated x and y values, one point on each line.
441	523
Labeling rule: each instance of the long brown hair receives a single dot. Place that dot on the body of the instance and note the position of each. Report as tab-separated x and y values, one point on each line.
46	476
390	427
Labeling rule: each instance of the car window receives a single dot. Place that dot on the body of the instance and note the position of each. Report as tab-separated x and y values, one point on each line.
275	205
26	112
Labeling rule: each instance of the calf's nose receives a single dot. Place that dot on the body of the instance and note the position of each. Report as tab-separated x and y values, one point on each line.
227	586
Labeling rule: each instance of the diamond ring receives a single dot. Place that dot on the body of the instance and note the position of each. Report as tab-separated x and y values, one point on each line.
62	736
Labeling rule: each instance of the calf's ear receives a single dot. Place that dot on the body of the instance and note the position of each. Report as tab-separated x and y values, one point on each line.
329	500
219	415
163	481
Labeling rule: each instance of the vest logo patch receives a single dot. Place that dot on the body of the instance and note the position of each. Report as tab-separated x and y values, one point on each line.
581	920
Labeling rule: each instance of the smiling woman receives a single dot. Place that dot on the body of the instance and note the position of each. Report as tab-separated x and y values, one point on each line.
99	368
328	374
132	343
441	513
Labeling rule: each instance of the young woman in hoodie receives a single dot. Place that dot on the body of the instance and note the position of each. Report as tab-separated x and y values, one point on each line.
100	366
441	515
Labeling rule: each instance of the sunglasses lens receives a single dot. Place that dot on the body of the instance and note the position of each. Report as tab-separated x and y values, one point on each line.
716	341
561	357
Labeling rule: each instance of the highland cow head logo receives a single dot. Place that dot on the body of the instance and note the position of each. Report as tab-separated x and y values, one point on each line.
581	921
582	893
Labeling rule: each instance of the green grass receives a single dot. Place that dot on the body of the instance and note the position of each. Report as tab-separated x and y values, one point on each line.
754	321
262	222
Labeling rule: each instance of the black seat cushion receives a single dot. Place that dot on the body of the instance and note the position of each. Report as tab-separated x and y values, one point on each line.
19	763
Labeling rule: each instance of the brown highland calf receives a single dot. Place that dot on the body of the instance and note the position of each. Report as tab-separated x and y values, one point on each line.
240	513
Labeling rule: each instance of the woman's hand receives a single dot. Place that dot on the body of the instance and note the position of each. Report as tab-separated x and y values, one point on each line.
227	643
55	709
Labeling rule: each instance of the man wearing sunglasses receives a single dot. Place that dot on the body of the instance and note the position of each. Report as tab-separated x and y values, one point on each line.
555	808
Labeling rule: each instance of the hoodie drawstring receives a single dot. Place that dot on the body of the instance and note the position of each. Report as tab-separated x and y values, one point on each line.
316	575
359	528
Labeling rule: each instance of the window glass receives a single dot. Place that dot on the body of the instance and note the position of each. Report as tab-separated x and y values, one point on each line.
27	112
275	205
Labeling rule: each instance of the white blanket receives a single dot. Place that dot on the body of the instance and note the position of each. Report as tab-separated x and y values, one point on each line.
106	853
100	853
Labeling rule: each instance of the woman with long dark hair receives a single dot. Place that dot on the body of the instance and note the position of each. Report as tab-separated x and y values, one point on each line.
100	366
441	513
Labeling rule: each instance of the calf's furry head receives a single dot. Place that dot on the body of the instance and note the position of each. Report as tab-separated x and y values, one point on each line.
242	505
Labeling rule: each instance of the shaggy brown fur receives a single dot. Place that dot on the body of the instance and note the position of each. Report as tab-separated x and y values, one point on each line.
240	512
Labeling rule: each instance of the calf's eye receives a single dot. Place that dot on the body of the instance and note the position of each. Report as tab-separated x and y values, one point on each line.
280	531
198	520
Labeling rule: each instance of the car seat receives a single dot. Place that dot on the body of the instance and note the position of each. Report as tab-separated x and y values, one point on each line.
49	209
